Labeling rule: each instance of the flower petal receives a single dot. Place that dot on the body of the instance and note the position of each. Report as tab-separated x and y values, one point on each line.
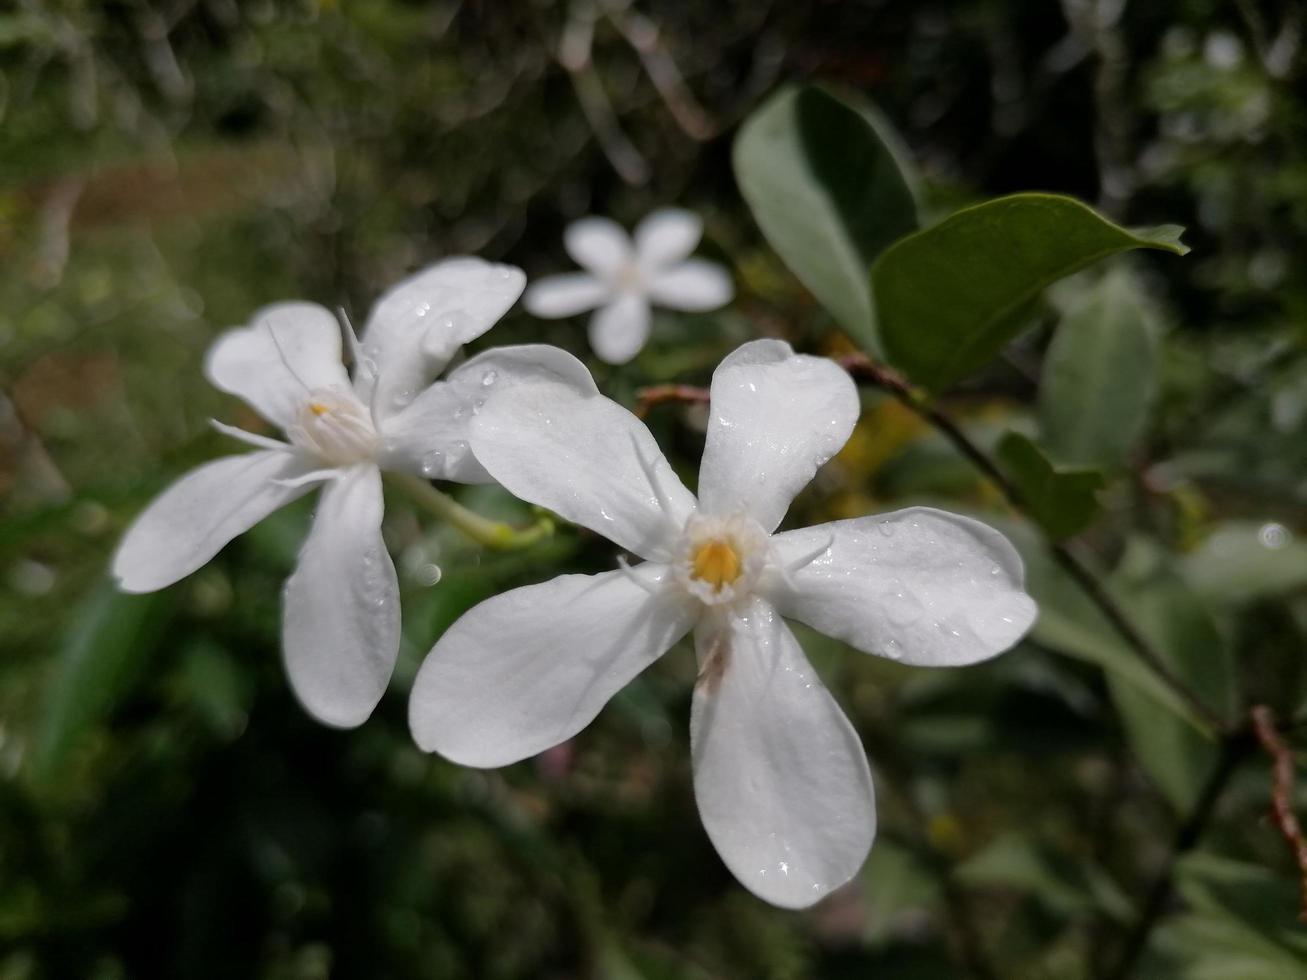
340	622
666	236
586	458
693	286
775	418
191	520
287	350
918	585
530	668
619	330
419	324
780	776
430	437
566	295
600	245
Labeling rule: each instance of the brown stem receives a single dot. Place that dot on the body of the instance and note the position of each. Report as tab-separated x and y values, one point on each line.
649	398
1282	794
863	368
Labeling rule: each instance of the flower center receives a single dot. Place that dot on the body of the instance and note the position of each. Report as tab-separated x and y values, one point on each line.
721	558
628	278
716	563
336	427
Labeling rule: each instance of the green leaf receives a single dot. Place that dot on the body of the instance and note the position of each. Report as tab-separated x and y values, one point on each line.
1062	500
825	186
1072	625
1244	560
1100	376
1062	884
948	298
112	636
1180	628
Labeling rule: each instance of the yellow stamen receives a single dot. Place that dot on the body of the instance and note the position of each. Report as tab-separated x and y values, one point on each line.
317	408
717	563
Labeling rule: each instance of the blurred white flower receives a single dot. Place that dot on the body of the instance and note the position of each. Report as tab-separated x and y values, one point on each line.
780	777
340	630
623	278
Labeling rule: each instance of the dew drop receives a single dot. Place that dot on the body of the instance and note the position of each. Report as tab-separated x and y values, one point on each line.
1274	536
886	528
431	463
995	571
489	378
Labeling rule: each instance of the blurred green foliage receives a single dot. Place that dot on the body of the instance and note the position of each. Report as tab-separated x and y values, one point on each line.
166	809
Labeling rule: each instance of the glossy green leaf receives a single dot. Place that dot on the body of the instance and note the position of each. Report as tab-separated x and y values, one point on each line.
1100	376
1061	499
950	297
828	191
111	637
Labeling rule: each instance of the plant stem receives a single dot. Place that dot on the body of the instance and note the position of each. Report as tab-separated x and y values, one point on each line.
862	367
1233	750
492	534
1286	821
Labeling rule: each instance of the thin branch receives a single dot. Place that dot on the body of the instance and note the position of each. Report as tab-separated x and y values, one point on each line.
642	35
649	398
1233	750
863	368
1282	795
574	54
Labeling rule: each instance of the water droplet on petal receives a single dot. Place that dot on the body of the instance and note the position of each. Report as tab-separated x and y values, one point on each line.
886	528
489	378
431	463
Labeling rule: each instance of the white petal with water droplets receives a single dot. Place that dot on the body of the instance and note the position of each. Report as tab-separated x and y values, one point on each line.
419	324
586	458
191	520
530	668
774	419
430	438
780	776
918	585
288	350
340	624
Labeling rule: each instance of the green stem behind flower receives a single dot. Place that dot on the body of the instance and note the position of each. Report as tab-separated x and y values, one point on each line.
492	534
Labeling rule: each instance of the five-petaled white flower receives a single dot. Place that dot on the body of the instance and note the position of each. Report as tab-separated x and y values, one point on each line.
624	277
340	631
780	776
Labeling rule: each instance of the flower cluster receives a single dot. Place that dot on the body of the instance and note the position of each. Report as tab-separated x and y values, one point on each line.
781	781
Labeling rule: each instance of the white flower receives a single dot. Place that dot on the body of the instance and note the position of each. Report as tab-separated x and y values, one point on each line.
780	777
623	278
340	631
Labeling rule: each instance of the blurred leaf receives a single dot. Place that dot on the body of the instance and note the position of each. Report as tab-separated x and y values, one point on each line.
899	887
1243	560
1099	376
1061	499
1067	887
112	636
214	686
823	183
1072	625
950	297
1180	628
